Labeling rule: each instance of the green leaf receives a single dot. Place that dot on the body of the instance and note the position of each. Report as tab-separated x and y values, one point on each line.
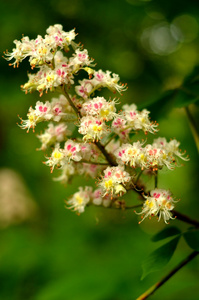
165	233
185	96
160	106
189	91
193	77
159	258
192	239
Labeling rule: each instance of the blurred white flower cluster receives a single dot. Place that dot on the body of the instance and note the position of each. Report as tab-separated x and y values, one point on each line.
86	134
153	156
16	203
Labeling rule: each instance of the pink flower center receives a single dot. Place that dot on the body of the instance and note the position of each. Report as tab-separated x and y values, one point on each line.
42	108
69	147
57	110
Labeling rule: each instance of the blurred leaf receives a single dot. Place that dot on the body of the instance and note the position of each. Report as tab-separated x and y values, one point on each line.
189	91
184	97
161	106
165	233
192	239
193	77
159	258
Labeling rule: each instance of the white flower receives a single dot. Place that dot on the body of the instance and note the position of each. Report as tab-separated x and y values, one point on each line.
119	126
79	60
43	110
22	50
131	154
85	88
72	151
153	156
114	180
32	120
104	79
67	171
98	198
57	37
92	128
99	107
53	134
138	120
159	203
80	199
173	147
41	53
56	158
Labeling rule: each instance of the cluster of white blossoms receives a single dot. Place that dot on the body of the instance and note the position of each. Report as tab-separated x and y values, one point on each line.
130	119
56	110
100	79
158	203
86	135
53	135
114	180
153	156
86	196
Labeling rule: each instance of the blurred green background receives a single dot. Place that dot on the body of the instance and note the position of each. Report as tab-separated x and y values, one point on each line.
48	252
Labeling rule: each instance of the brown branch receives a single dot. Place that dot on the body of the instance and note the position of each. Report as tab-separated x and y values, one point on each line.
185	219
71	102
109	158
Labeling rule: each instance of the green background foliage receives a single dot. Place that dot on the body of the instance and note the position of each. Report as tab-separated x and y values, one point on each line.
57	255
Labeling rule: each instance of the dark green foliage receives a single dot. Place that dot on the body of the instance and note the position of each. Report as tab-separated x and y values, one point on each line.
159	258
192	238
165	233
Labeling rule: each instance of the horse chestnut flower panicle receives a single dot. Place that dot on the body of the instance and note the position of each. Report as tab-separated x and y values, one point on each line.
102	146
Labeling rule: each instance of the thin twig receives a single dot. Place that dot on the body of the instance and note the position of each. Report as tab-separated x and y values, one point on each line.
156	179
110	139
156	286
138	177
94	162
71	102
109	158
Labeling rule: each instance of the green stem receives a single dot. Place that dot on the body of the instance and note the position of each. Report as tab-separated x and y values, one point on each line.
138	177
110	139
71	102
94	162
156	286
156	179
193	127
